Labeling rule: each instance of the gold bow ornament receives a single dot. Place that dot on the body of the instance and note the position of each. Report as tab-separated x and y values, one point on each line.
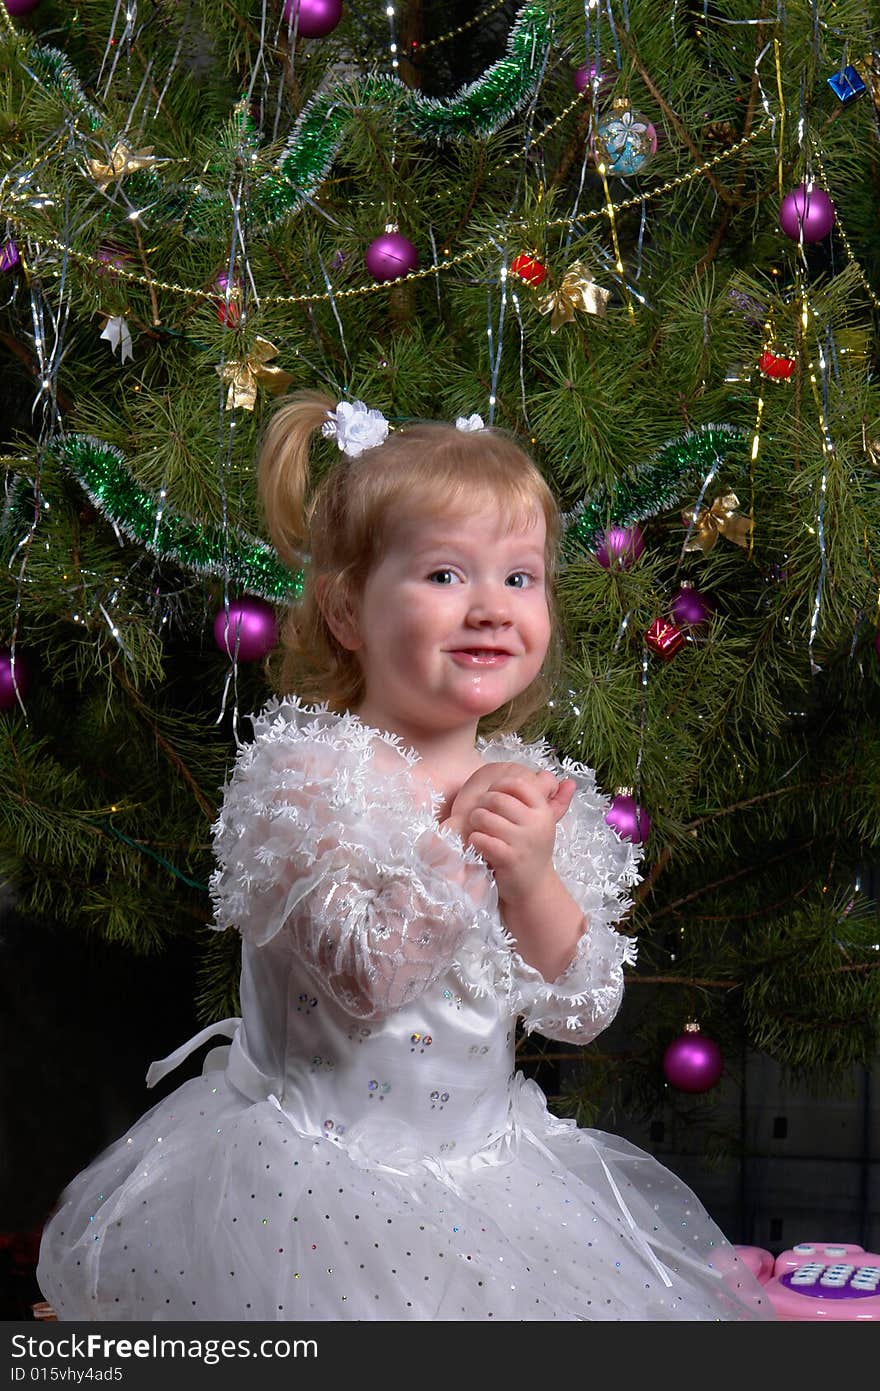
870	448
721	519
244	377
577	291
122	161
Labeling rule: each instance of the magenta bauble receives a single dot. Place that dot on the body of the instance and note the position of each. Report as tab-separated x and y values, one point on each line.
619	547
9	257
250	632
391	256
806	214
112	260
628	819
584	77
12	677
20	7
313	19
690	607
693	1062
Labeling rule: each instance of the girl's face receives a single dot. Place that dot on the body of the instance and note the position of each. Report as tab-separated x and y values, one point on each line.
441	589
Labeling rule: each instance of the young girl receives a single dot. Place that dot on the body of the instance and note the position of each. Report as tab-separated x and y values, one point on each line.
405	889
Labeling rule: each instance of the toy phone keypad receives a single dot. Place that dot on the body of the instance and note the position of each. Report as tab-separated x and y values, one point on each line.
816	1280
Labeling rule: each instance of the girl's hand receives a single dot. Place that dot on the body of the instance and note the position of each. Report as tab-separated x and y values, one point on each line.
513	826
470	794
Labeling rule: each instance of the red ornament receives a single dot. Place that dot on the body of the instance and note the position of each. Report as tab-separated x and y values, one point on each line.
228	313
664	638
529	269
693	1062
775	366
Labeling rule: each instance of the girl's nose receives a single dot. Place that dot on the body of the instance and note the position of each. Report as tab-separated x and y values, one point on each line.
490	600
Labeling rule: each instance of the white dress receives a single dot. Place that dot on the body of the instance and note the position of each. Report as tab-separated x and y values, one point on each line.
365	1149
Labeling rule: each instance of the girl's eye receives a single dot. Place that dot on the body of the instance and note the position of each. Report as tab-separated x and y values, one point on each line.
526	574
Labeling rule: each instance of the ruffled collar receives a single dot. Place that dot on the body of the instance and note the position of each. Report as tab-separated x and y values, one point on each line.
348	730
383	784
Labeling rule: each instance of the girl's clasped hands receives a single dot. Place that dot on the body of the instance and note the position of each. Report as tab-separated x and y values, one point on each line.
509	814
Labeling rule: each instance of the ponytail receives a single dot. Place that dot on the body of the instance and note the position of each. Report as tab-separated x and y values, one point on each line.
283	471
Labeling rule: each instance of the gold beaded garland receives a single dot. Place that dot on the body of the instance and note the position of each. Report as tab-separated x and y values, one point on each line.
188	292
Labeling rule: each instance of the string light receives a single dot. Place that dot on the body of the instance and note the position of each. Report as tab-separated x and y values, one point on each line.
389	10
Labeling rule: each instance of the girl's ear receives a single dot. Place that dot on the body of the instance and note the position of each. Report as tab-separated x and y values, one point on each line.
338	615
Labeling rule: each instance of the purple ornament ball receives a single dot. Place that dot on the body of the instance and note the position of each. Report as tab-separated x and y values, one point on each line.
810	209
620	546
111	261
313	18
251	631
20	7
9	257
630	821
693	1062
391	256
11	679
585	75
690	607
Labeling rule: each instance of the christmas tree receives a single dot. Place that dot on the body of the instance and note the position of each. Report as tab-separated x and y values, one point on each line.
640	235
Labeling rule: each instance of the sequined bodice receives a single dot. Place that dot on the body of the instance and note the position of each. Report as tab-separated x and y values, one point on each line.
442	1065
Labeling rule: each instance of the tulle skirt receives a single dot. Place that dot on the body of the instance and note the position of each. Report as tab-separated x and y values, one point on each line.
215	1207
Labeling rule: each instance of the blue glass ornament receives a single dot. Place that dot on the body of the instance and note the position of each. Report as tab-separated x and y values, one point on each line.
626	140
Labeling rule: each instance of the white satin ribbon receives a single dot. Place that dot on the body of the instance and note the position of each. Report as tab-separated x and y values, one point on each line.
157	1070
639	1239
528	1096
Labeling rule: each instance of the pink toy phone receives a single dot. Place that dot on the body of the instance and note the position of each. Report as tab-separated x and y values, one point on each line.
825	1280
759	1261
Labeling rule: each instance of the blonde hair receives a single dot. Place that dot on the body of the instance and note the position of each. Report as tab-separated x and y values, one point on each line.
421	471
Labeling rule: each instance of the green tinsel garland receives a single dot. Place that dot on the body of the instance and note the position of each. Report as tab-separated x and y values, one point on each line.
247	561
677	470
657	486
51	68
473	113
477	111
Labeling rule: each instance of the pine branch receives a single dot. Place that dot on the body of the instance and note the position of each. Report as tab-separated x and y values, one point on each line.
168	749
730	878
680	128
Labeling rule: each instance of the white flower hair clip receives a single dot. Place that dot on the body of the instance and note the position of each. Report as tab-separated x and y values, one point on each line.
469	422
355	427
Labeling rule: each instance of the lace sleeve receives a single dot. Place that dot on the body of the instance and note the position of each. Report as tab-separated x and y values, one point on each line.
376	900
596	867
